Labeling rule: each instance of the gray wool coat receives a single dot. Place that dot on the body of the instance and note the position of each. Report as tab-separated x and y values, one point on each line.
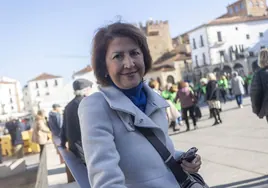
238	85
116	154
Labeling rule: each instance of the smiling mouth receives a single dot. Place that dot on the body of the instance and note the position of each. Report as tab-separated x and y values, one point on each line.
130	73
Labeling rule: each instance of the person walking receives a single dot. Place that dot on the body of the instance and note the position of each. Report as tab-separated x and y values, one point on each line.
40	131
259	87
223	85
187	100
15	129
117	153
55	120
71	127
238	89
213	98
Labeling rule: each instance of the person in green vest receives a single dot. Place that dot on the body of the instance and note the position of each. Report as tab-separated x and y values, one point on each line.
201	91
223	85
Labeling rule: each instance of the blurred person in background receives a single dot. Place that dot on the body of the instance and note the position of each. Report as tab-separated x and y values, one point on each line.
40	130
187	100
55	120
15	129
238	89
259	87
223	85
155	86
213	98
71	127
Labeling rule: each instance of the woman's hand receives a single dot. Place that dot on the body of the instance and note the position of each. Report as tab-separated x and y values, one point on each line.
192	167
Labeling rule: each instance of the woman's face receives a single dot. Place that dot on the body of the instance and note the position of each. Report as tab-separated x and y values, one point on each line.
125	63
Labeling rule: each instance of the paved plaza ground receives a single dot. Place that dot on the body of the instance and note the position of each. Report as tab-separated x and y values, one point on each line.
235	153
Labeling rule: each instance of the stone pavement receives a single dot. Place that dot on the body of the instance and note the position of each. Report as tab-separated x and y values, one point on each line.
235	153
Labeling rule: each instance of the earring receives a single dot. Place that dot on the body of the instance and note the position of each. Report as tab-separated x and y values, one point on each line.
106	76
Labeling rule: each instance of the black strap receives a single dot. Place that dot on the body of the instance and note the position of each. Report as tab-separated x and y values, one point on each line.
167	157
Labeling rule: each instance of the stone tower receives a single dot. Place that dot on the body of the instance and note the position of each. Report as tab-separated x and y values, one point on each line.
158	38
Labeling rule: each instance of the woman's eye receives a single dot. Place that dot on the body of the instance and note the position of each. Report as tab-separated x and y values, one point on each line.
134	53
118	56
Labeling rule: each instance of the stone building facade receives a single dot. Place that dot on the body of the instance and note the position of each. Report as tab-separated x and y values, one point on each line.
158	38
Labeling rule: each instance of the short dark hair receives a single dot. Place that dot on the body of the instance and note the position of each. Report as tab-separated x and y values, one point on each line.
101	42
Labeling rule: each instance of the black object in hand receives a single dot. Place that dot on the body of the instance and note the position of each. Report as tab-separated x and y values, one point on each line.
188	156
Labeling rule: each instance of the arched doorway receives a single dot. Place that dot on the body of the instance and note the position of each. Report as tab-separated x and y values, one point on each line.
255	66
227	70
240	69
206	71
170	79
217	72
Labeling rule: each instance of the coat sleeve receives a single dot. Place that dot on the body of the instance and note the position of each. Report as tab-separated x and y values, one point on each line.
42	127
256	94
63	130
101	155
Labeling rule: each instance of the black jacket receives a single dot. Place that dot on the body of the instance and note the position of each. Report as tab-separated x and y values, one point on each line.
71	127
15	128
213	92
259	94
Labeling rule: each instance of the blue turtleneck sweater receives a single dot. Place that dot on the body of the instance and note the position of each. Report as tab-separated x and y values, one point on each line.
137	95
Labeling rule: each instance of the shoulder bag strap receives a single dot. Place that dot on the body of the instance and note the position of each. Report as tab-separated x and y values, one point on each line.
167	157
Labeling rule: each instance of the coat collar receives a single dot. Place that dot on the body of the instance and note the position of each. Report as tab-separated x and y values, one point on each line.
119	102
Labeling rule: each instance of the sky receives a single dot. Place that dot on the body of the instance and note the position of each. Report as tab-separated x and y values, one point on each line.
56	36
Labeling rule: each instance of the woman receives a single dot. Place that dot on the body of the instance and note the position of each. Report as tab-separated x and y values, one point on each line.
259	87
238	89
116	153
40	130
213	98
187	100
155	86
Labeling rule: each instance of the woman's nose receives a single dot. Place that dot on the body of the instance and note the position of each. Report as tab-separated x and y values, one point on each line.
128	62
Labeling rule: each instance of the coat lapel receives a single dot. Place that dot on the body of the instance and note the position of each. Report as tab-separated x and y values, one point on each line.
119	102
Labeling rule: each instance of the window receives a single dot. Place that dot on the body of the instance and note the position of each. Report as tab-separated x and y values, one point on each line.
236	28
25	93
204	59
46	84
10	92
230	10
47	93
261	34
242	6
56	82
36	85
11	101
248	37
201	41
38	94
196	61
194	44
12	107
219	36
222	57
153	33
251	54
236	8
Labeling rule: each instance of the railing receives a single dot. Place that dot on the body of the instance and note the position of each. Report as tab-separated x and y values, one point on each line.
75	168
41	180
